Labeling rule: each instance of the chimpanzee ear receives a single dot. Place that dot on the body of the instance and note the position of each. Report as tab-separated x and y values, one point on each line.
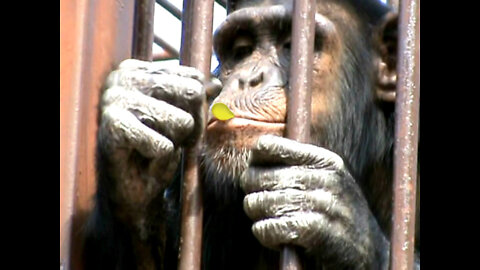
386	80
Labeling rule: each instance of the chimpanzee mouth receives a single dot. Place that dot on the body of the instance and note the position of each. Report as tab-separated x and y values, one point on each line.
237	123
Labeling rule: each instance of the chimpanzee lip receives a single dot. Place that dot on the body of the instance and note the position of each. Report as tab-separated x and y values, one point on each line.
239	122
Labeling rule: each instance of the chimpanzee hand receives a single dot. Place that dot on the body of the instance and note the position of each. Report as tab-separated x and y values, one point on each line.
302	194
147	113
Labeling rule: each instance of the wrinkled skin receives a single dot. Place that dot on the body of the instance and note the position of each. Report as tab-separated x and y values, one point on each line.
330	198
310	199
144	113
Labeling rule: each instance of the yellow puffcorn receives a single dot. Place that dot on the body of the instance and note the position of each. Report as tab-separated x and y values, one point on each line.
221	111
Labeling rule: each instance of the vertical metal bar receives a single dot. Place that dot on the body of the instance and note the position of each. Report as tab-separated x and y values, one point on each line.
196	52
299	99
91	42
406	136
186	32
393	4
143	30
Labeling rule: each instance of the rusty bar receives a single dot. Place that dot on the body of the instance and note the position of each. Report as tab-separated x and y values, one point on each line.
201	25
196	52
143	30
186	32
394	4
299	98
92	41
163	56
406	137
170	8
173	53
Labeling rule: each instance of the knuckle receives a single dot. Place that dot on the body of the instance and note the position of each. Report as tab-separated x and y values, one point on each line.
191	72
194	91
264	142
110	131
244	181
331	158
126	78
110	115
337	161
114	122
112	95
267	232
248	206
163	147
187	123
133	64
112	78
252	203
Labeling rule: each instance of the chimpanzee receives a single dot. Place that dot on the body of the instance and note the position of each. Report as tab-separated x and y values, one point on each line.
330	198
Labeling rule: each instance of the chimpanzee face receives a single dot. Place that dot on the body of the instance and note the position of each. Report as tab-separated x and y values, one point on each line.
253	47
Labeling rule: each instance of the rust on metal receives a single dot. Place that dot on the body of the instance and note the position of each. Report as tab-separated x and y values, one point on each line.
186	32
143	30
174	53
86	58
289	259
406	137
197	28
299	95
177	13
393	4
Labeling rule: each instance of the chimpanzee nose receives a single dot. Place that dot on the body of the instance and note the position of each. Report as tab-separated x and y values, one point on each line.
261	78
256	80
251	80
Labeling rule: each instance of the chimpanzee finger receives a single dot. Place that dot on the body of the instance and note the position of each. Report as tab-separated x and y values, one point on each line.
166	119
181	91
296	229
278	203
298	177
160	67
213	88
271	149
124	130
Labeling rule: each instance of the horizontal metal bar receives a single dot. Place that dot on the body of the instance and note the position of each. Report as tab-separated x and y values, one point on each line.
170	8
174	53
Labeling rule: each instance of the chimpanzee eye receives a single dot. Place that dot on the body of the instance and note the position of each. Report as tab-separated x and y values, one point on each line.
241	52
242	47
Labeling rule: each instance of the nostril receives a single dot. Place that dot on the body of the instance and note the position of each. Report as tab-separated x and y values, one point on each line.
241	83
256	80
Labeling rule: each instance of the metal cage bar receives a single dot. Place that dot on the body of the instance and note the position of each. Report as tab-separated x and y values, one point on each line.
299	95
197	28
406	136
86	58
143	30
